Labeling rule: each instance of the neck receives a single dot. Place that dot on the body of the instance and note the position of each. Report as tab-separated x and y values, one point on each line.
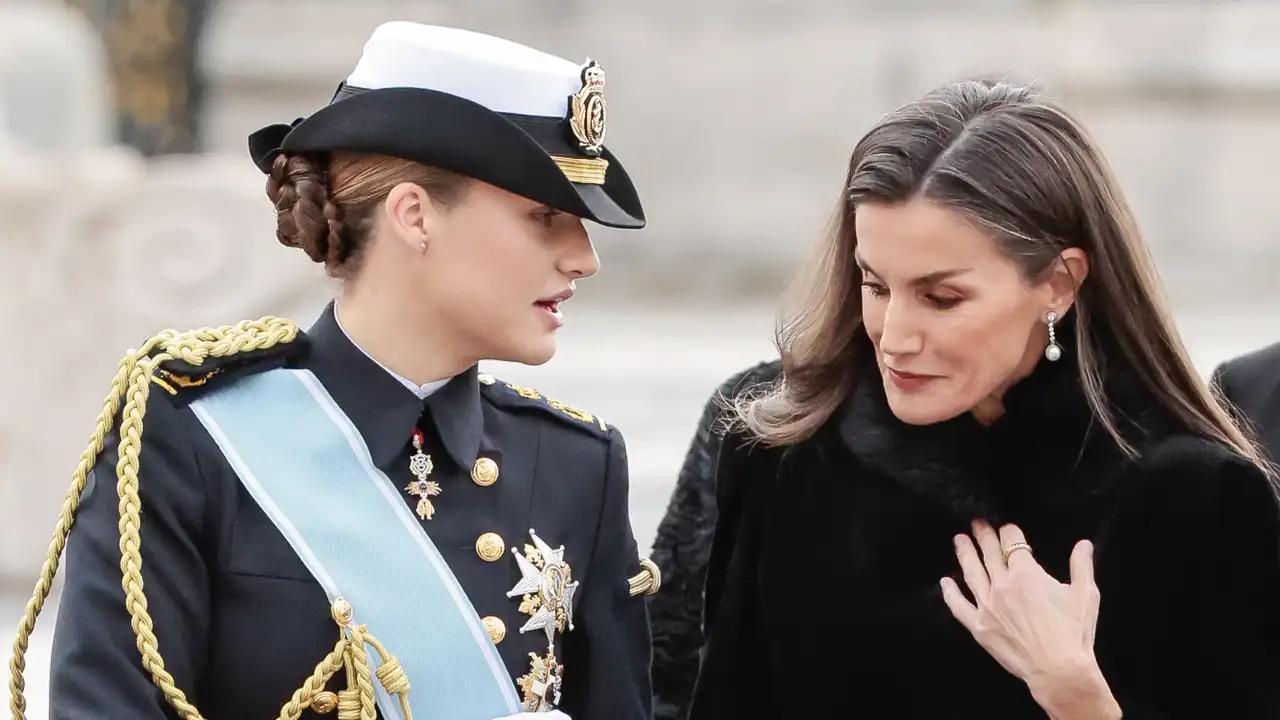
989	410
412	344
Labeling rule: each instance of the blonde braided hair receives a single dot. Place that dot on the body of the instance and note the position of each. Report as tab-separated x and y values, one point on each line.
133	383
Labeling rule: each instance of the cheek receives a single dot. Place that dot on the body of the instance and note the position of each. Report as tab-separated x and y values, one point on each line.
492	258
504	276
984	348
519	264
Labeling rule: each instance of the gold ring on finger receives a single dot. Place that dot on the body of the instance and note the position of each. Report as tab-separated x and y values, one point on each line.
1015	548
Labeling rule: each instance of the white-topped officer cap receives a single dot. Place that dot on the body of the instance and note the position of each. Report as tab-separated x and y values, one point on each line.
482	106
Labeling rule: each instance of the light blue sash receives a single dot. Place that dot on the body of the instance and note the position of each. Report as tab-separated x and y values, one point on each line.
310	471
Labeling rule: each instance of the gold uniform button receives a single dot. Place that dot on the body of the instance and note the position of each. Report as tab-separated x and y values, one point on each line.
490	546
485	379
324	703
497	629
485	472
342	612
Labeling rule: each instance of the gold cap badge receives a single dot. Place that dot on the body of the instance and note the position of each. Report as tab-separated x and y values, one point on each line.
587	112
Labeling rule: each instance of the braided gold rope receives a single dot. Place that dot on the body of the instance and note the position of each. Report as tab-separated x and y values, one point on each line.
392	676
305	695
359	661
133	383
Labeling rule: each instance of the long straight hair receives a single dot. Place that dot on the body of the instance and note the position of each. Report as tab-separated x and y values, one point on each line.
1030	175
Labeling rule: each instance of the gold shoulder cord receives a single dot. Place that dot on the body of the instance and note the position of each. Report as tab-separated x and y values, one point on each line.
133	382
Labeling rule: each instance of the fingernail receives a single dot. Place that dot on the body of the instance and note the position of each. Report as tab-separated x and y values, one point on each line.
1088	548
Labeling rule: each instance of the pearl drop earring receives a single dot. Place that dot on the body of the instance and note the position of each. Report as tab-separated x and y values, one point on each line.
1053	352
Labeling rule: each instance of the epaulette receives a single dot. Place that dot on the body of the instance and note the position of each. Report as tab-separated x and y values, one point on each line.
184	379
515	396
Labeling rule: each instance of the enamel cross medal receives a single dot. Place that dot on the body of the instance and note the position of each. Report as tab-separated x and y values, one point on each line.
547	587
420	465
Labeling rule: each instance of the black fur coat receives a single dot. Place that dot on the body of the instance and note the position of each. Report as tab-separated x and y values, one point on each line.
822	593
681	549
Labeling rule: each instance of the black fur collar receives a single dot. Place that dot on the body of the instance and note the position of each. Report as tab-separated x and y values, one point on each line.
1047	450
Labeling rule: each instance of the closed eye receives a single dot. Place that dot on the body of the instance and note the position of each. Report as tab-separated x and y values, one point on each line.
875	289
880	291
943	303
546	216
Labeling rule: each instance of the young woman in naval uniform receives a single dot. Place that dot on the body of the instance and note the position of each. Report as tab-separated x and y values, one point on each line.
352	519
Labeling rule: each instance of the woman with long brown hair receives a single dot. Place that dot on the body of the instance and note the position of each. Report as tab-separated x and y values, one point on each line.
988	482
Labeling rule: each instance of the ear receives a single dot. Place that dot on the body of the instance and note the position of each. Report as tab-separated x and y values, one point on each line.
410	215
1063	279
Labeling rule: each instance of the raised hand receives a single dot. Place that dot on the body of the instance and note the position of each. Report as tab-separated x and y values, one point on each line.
1037	628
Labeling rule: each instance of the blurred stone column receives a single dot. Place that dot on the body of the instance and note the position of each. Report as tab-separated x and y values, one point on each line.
153	47
53	95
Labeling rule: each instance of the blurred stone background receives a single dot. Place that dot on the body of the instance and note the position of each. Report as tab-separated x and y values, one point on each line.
127	202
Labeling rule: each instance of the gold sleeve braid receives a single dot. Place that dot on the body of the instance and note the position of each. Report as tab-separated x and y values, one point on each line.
647	581
133	383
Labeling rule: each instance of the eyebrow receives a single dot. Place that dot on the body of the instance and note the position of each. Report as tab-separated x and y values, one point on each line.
923	280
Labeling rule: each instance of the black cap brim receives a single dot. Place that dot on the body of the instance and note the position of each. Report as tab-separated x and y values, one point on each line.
511	152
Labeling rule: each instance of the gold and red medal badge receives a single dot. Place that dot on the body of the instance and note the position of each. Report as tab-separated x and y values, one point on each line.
422	487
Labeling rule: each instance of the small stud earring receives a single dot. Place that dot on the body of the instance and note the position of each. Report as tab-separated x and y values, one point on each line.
422	245
1053	352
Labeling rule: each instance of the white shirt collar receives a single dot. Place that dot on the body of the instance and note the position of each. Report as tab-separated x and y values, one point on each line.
422	391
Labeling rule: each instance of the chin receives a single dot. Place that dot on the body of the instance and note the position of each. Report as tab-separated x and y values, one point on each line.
531	352
917	409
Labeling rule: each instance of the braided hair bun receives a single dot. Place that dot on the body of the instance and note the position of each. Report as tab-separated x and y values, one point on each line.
306	217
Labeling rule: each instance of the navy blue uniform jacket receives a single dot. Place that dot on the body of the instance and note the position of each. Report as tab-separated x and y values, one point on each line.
240	621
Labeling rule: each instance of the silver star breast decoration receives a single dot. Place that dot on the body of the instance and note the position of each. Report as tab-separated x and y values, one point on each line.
547	585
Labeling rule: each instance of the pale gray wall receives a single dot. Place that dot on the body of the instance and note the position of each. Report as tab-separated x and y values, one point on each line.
736	116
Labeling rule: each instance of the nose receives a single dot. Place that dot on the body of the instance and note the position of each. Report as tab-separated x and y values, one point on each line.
578	258
899	333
